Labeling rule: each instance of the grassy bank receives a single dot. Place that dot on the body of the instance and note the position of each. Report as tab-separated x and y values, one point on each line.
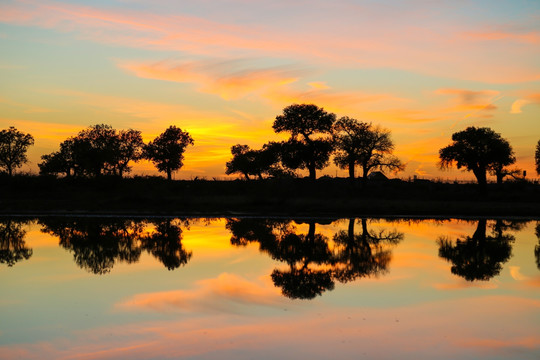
287	197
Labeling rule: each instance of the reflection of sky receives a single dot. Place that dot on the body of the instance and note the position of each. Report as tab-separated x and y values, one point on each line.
223	70
223	304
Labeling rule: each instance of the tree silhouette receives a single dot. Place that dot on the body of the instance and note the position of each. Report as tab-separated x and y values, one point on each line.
129	148
363	254
97	244
12	245
167	150
59	162
165	243
537	157
309	146
13	147
477	257
248	162
98	150
478	150
359	143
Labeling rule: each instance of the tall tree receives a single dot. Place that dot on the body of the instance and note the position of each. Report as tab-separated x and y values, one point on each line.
537	157
13	147
167	150
478	150
310	127
242	161
360	143
129	148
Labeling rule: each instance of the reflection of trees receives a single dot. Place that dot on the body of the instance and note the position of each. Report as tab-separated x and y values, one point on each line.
312	265
479	257
97	243
165	243
363	254
305	254
12	245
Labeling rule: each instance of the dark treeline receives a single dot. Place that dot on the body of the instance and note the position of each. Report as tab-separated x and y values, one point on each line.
282	196
312	263
315	137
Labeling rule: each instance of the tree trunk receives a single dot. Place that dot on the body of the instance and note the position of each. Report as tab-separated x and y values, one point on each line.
364	174
10	171
481	178
312	174
169	174
351	170
500	177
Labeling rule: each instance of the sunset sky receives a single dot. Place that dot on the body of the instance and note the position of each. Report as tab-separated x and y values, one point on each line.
222	70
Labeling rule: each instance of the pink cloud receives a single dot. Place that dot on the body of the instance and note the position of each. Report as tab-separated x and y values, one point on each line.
358	36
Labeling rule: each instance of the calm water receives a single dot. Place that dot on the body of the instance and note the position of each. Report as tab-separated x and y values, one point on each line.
269	289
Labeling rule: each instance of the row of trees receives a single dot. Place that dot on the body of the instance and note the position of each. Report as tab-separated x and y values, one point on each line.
101	150
98	150
314	136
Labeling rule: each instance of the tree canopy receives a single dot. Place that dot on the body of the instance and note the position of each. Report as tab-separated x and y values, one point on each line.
167	150
360	143
309	146
13	147
95	151
478	150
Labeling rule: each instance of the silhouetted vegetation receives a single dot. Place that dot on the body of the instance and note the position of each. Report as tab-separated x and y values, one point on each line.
249	162
478	150
13	147
362	144
96	151
100	243
167	150
279	196
478	257
12	245
313	266
309	146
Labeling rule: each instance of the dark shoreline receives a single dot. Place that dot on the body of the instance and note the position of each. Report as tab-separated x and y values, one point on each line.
291	198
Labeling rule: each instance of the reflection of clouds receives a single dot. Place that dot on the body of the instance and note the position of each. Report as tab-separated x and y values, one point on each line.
516	274
226	293
447	329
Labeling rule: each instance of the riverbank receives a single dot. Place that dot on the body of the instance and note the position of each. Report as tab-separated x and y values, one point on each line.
155	196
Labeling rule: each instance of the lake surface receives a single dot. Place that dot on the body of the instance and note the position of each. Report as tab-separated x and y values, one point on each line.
250	288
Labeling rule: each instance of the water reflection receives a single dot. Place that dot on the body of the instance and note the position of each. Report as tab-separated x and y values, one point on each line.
12	245
363	254
98	244
314	266
165	243
479	257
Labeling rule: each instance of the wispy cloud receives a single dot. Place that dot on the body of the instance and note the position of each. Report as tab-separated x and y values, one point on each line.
357	36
